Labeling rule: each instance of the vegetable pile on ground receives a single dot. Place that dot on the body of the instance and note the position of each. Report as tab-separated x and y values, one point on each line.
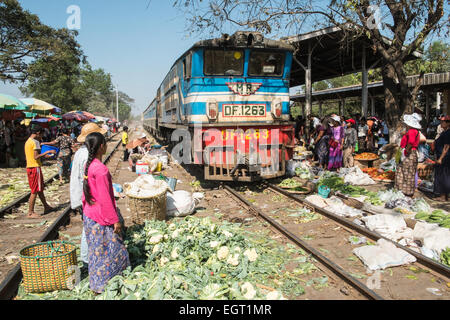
378	174
193	258
337	184
14	183
436	216
445	257
366	156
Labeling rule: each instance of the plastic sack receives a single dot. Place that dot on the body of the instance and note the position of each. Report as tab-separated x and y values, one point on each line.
355	176
383	255
182	203
391	226
291	165
389	165
432	237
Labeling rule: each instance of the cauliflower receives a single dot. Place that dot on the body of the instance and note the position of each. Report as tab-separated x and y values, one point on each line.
223	253
172	227
227	234
152	231
156	239
163	261
251	254
214	244
275	295
174	253
248	291
176	233
233	259
166	236
237	249
156	248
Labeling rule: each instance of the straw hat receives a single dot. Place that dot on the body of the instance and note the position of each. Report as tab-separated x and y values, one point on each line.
411	120
336	118
89	128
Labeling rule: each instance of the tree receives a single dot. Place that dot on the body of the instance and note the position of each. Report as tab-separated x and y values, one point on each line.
55	77
407	23
23	39
95	89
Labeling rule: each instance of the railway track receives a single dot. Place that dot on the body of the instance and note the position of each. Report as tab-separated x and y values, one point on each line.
10	284
23	198
338	229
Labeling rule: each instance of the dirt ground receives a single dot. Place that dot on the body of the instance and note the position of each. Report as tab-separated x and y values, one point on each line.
332	239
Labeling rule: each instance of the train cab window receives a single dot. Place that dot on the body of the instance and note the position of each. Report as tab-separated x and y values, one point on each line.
264	63
187	66
224	62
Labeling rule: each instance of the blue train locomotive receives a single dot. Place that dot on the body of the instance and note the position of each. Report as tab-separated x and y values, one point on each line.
232	95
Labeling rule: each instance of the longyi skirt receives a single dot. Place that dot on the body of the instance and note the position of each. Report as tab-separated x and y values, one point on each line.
107	254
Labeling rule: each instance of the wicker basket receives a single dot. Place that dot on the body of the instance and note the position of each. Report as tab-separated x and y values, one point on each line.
425	171
47	266
153	208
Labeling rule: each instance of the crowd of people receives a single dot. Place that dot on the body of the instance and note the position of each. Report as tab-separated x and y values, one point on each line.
335	140
14	134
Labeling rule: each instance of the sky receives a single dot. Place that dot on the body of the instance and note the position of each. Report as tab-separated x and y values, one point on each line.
135	41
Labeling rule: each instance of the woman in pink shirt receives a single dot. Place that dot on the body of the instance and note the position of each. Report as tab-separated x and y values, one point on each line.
405	175
107	253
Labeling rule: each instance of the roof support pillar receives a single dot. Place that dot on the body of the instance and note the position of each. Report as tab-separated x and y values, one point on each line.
320	108
372	102
427	108
365	91
308	84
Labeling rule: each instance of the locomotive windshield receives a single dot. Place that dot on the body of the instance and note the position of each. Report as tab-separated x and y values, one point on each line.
224	62
264	63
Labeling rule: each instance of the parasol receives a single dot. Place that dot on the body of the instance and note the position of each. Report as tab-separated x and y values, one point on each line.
40	106
75	115
88	115
136	143
10	103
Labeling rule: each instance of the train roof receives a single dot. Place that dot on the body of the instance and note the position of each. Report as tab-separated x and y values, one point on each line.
244	39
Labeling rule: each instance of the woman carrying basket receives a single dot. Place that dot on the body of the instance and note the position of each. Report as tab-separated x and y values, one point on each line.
107	253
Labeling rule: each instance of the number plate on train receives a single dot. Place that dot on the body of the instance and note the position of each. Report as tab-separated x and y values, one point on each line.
244	110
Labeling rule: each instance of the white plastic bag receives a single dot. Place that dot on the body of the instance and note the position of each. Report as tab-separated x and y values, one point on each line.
291	165
432	237
391	226
383	255
182	203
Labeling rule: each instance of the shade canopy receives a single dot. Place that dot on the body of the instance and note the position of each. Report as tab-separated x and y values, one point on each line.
75	115
40	106
8	102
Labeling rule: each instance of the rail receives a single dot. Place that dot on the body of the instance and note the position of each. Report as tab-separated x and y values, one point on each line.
10	285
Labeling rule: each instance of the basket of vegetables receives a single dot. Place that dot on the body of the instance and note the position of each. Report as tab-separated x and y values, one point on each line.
147	204
295	186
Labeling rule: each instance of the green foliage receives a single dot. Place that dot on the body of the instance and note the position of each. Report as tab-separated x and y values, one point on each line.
23	39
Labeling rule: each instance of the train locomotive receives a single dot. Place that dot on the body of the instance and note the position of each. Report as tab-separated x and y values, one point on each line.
228	98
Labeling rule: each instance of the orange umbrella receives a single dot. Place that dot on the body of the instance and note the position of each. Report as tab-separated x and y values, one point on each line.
136	143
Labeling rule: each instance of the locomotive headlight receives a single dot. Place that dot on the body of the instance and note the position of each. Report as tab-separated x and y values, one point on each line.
277	107
212	109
